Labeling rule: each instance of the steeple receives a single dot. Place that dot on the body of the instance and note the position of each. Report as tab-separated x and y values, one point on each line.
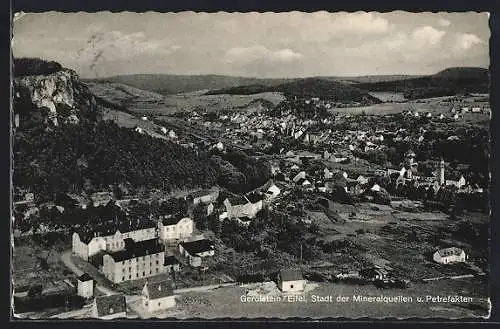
441	172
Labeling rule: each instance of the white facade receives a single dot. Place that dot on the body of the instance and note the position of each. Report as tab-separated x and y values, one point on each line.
181	230
133	268
152	304
86	288
449	255
110	242
293	286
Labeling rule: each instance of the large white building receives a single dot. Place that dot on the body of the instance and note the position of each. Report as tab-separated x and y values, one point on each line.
138	260
85	244
85	287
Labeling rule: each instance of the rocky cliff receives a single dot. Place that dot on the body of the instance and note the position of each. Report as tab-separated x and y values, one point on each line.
60	97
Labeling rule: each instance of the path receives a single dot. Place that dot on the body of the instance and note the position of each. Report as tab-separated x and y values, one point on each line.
68	262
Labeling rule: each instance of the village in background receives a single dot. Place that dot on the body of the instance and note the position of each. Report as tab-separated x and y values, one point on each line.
133	204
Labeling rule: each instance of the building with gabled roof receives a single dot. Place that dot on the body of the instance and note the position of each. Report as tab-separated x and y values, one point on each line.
109	307
138	260
85	286
175	228
291	280
157	296
194	251
449	255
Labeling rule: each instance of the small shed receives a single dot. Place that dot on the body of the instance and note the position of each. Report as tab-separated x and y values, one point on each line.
291	280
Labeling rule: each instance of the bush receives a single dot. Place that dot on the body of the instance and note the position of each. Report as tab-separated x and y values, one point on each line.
34	66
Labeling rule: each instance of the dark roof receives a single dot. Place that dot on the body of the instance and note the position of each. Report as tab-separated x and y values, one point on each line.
450	252
245	219
84	277
171	220
110	227
198	246
137	249
290	275
159	289
255	197
113	304
170	260
201	193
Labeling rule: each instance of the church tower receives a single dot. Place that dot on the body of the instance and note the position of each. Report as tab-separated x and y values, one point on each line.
441	172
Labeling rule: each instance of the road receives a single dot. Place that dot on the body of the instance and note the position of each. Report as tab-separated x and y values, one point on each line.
68	262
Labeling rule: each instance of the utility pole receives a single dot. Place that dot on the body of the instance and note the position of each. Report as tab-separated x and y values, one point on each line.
301	254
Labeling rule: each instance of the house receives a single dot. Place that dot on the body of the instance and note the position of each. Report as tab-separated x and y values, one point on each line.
327	174
204	196
171	264
449	255
272	191
374	273
194	251
175	228
85	287
247	209
138	260
299	176
157	296
139	130
109	307
375	187
291	280
163	130
144	118
458	183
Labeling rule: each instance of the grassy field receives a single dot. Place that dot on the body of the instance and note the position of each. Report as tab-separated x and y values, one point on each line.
227	302
145	102
33	263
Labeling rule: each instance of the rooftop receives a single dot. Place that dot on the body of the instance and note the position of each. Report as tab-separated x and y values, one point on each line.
291	275
159	289
84	277
198	246
452	251
137	249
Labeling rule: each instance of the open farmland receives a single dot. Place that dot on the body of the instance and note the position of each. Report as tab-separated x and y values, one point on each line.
145	102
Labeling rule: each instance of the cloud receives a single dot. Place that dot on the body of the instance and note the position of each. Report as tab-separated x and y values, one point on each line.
465	41
116	45
261	53
427	36
444	22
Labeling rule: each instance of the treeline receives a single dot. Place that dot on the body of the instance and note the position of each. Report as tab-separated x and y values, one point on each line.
88	157
34	66
306	88
449	82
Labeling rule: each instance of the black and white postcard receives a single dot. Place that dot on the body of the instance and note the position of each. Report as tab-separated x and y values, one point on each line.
250	165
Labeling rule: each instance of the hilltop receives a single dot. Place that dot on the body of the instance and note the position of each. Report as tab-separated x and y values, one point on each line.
167	84
306	88
449	82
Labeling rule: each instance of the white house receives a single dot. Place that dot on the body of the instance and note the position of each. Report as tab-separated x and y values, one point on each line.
109	307
85	286
247	209
272	192
375	187
157	296
139	130
204	196
299	176
291	280
175	228
449	255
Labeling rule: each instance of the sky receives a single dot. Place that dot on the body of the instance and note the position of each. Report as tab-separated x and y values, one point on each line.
267	45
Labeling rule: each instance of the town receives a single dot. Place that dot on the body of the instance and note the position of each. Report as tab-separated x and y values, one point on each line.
165	196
